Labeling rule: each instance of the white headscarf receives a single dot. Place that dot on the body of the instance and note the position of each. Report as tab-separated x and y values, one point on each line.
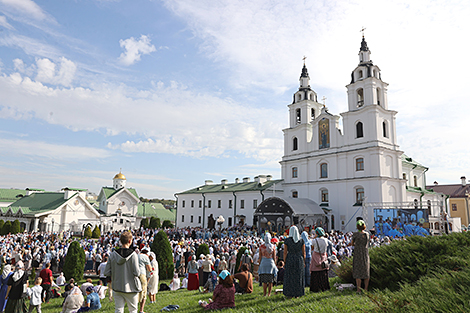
6	271
19	266
267	241
294	233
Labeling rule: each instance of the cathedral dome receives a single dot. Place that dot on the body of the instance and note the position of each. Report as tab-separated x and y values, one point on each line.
120	176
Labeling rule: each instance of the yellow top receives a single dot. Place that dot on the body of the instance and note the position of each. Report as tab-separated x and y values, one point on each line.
120	176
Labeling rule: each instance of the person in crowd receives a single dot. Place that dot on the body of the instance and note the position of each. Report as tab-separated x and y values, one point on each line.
223	265
98	259
92	301
318	273
85	285
35	296
60	280
206	268
246	259
100	271
100	289
200	269
245	280
68	289
294	256
361	262
193	275
6	273
256	265
73	302
280	272
267	268
308	256
211	282
334	265
123	268
47	279
184	283
145	269
224	293
16	290
232	262
175	282
152	287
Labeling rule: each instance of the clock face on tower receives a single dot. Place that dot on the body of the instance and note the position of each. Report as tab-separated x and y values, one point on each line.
324	133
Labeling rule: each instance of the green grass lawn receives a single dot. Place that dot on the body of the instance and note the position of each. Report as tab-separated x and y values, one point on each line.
331	301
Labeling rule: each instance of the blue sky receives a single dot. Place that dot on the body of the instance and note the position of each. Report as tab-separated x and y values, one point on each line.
176	92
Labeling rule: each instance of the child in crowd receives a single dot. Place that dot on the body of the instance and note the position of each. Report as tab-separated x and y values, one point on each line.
280	273
184	284
92	301
34	295
175	283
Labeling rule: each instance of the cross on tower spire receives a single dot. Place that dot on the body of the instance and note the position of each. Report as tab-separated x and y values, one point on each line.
362	30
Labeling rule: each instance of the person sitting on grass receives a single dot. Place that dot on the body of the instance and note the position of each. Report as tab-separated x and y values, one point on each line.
73	302
92	301
224	293
211	282
245	280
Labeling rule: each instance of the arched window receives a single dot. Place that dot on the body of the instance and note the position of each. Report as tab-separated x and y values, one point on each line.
404	176
359	74
324	195
360	98
429	205
415	181
299	97
313	113
295	145
416	203
294	172
378	95
359	195
359	130
297	116
359	164
332	222
323	170
295	194
384	129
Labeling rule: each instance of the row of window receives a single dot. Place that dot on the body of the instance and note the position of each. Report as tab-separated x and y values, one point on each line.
192	219
324	168
360	96
298	115
415	179
219	204
359	192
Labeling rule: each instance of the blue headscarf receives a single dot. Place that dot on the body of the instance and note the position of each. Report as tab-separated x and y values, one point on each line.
214	278
308	244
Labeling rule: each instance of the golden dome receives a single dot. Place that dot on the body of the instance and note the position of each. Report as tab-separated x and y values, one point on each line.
120	176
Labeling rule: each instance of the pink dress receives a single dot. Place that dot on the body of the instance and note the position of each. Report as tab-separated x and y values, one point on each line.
223	298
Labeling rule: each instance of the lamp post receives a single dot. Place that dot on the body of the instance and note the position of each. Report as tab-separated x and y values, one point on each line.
220	221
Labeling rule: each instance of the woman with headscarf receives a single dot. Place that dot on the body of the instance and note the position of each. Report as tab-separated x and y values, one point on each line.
267	267
17	285
318	273
361	262
4	286
152	287
308	254
294	256
193	277
74	301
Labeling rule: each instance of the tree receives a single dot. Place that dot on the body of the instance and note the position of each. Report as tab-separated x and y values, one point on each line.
74	263
202	249
96	232
144	223
6	228
167	224
2	222
87	233
162	249
15	227
154	222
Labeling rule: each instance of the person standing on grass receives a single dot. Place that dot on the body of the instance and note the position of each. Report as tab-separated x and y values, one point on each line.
123	268
35	296
152	287
267	267
15	292
318	274
3	285
144	268
294	256
361	262
46	275
308	257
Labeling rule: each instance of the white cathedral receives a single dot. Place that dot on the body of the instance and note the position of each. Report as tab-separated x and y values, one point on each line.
330	177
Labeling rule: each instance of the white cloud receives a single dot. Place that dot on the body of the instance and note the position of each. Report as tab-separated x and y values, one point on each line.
47	73
51	151
133	49
26	7
30	46
4	23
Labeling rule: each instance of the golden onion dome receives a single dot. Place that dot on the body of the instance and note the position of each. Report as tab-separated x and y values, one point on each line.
120	176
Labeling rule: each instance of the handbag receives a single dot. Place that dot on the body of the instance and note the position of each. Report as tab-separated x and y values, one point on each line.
323	264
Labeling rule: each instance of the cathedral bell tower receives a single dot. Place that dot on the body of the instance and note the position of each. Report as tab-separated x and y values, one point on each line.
366	87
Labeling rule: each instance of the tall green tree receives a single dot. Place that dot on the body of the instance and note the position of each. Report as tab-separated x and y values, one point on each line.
74	263
162	249
144	223
2	222
87	233
96	232
15	227
6	229
167	224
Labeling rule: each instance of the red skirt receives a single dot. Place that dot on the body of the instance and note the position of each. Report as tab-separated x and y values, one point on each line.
193	281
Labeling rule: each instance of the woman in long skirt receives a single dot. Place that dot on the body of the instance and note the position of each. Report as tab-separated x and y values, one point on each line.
319	275
308	257
152	287
294	255
4	286
193	275
16	302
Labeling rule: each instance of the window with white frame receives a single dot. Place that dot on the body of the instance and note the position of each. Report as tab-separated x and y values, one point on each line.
294	172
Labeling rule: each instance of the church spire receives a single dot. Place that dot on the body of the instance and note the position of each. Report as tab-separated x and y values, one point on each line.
364	52
304	78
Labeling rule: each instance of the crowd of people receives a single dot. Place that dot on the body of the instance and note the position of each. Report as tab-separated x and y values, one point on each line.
295	259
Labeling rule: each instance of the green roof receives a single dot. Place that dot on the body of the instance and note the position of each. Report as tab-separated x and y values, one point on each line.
233	187
109	191
156	210
38	202
408	160
420	190
11	195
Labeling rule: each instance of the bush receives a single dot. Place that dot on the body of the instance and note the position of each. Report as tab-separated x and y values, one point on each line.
6	229
144	223
87	233
32	276
406	261
154	222
2	222
163	253
96	232
15	227
74	263
167	224
202	249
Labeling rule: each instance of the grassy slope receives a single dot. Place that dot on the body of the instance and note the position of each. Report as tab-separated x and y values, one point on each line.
331	301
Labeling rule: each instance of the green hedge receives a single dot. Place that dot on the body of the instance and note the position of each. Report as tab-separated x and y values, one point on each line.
74	263
162	249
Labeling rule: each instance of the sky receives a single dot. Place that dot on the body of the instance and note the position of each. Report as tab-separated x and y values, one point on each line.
175	92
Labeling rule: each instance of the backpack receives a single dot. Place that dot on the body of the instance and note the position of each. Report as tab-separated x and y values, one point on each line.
163	287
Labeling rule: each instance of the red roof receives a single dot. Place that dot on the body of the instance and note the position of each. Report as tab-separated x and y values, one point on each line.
454	191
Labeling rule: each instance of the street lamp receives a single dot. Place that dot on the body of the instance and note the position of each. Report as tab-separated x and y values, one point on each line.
220	221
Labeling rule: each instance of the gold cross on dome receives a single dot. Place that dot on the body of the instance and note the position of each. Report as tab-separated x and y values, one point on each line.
362	30
304	59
